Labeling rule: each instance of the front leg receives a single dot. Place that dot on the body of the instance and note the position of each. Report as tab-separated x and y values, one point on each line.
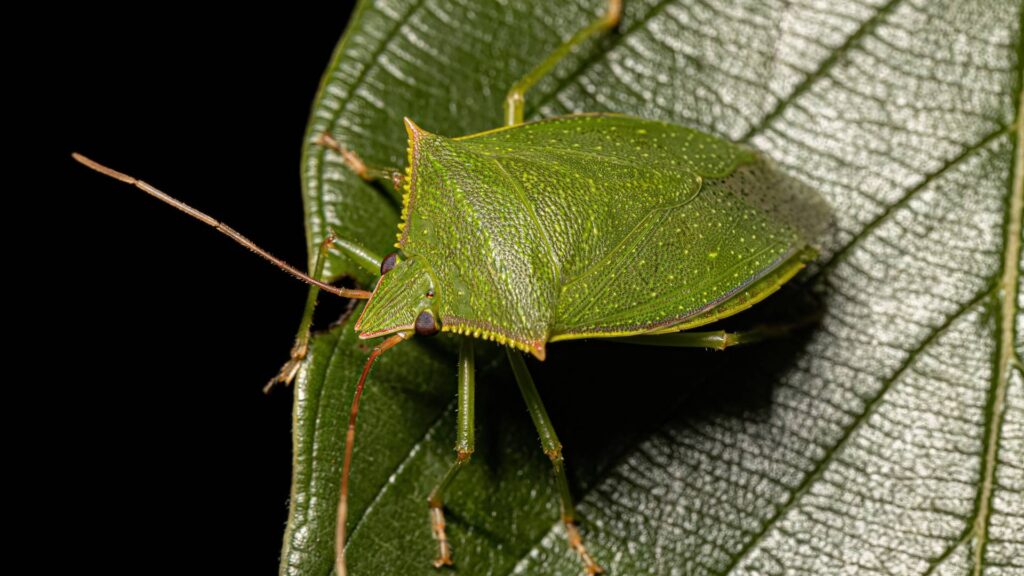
365	171
463	450
361	256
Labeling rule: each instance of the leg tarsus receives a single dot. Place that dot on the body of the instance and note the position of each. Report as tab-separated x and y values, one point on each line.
290	368
569	515
444	548
613	15
576	543
436	504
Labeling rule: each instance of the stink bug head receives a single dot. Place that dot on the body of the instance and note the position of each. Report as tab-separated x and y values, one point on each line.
401	295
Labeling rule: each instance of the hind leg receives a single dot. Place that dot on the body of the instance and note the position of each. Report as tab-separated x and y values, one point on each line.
718	339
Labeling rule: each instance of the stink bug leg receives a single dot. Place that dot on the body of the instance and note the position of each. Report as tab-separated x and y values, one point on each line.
553	448
718	339
362	169
515	100
357	253
301	346
464	444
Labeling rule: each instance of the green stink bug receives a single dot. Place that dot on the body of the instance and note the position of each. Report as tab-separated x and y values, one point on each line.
582	226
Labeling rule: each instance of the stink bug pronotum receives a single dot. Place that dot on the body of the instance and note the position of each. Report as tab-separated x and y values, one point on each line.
581	226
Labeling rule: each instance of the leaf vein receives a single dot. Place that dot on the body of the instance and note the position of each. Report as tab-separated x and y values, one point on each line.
826	65
965	154
865	414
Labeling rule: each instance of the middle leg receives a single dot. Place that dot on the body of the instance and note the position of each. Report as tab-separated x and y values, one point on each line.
515	100
553	448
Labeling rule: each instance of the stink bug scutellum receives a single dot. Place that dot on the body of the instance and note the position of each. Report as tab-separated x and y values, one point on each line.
583	226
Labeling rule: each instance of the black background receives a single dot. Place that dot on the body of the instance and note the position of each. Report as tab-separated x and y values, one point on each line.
142	461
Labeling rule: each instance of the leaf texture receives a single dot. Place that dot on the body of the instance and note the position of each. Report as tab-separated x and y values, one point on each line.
888	439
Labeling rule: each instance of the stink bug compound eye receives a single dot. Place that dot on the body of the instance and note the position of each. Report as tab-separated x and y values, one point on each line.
578	211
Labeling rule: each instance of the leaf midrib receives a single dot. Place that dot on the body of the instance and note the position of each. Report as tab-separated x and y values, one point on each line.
1009	287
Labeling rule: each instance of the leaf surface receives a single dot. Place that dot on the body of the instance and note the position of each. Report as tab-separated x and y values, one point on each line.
888	439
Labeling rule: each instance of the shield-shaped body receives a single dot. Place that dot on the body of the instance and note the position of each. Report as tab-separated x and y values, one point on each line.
592	225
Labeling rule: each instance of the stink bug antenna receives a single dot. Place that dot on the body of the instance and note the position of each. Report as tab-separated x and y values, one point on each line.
350	439
221	227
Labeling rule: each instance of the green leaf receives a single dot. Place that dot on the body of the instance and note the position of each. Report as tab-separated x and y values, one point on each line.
888	439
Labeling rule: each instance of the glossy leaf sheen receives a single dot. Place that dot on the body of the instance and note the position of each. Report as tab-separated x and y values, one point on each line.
886	440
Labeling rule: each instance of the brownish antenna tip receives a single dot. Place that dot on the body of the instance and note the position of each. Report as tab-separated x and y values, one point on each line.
103	169
221	227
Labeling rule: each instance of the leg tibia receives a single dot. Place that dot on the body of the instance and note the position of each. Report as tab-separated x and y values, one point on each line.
515	100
